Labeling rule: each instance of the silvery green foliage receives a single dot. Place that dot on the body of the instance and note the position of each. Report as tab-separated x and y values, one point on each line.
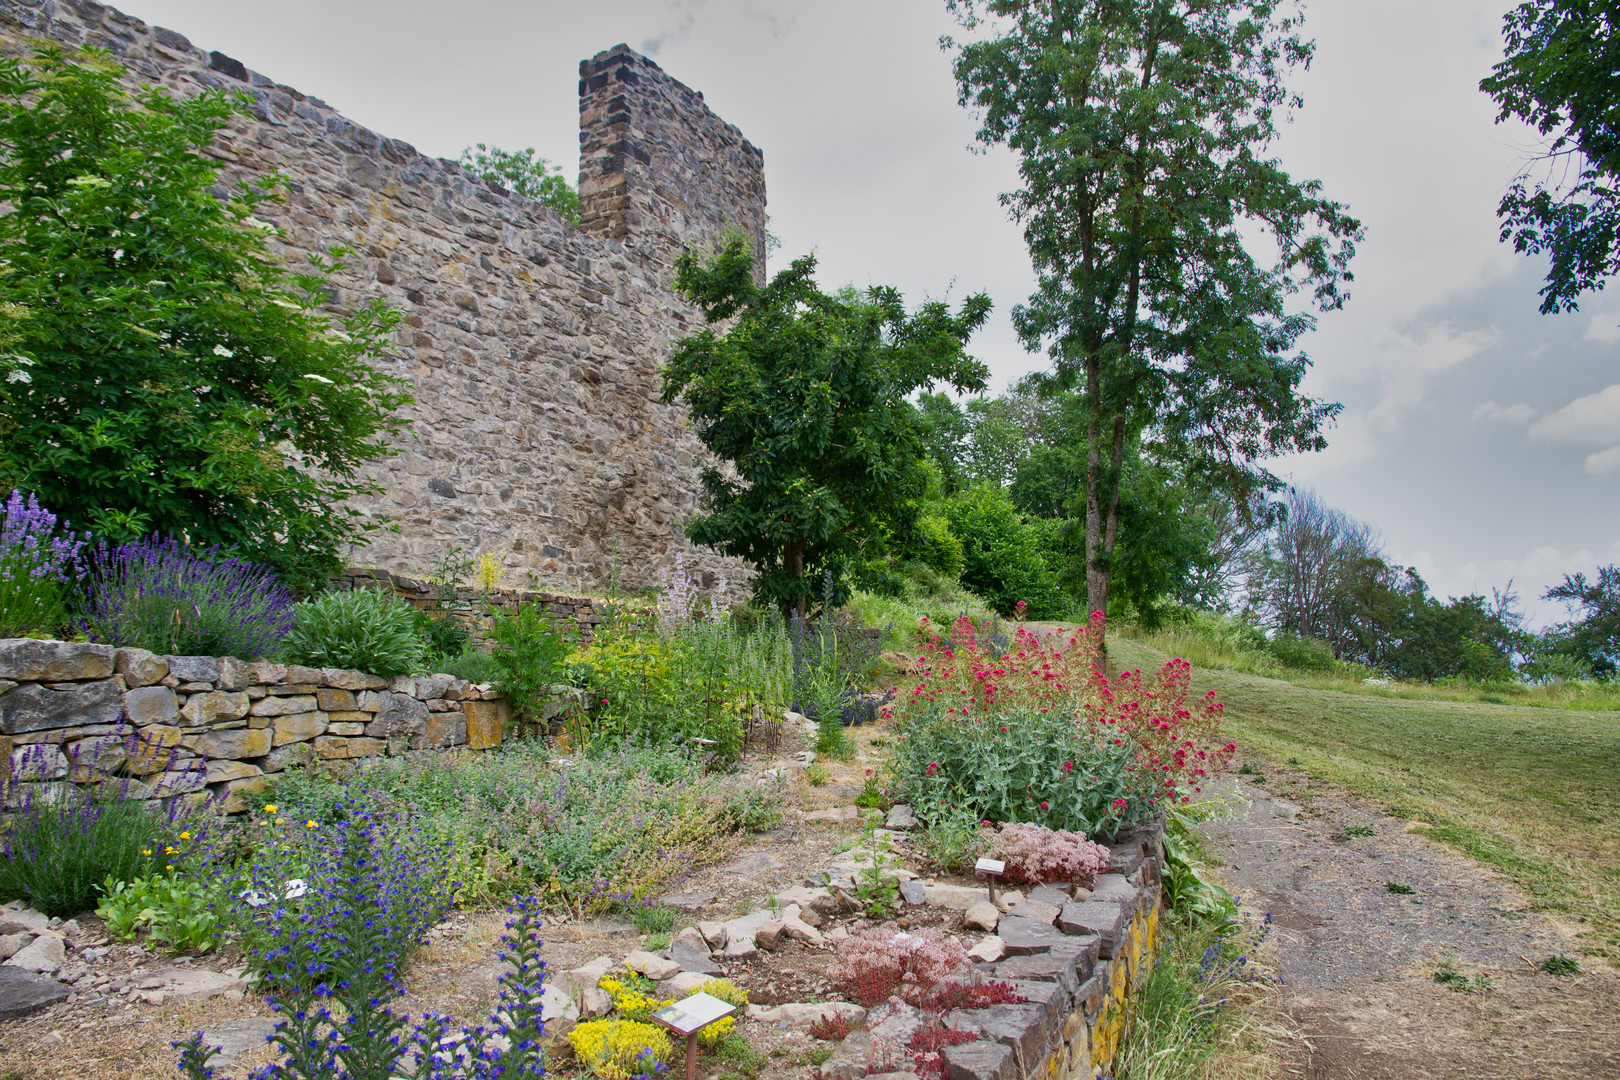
365	630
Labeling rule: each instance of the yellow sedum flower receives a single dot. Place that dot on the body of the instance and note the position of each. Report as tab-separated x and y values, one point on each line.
730	993
309	824
631	1003
270	808
611	1048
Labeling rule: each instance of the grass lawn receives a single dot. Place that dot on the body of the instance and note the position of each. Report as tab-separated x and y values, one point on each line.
1533	792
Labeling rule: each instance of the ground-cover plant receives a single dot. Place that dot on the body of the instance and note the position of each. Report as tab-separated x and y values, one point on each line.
314	891
175	912
161	595
37	561
1036	855
369	630
592	832
620	1049
880	961
61	846
362	1039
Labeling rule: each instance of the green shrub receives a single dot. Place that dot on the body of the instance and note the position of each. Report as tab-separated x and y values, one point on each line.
368	630
528	656
1001	560
1301	653
61	850
445	636
938	548
1020	764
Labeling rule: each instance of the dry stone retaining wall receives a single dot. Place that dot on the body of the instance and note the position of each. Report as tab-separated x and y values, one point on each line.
579	615
534	349
75	712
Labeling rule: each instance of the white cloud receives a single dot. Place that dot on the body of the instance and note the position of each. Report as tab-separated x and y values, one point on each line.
1593	420
1513	414
1603	462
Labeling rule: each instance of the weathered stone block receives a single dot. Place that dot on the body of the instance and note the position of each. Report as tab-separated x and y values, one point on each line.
96	757
280	706
215	707
266	673
178	782
237	743
1113	887
54	661
444	729
979	1061
292	689
1048	966
220	772
194	668
139	667
233	794
150	704
41	761
344	679
299	726
41	706
328	699
291	756
1022	936
298	673
368	701
234	674
345	727
1106	919
354	717
152	749
331	747
401	714
1020	1027
486	720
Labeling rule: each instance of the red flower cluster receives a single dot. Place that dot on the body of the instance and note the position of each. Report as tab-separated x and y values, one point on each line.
1178	746
1039	670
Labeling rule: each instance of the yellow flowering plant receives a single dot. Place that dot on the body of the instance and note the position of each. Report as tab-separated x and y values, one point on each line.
620	1049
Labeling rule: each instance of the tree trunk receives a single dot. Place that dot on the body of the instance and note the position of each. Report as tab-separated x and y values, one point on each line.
793	557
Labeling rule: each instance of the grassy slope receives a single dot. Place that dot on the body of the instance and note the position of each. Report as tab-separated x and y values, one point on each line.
1532	792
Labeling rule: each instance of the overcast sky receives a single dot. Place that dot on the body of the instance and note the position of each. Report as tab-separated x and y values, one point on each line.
1480	437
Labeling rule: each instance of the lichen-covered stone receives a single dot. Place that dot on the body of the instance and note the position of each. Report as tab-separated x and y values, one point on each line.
291	756
237	743
39	762
298	727
443	730
233	794
265	673
401	714
151	749
344	679
54	661
177	782
150	705
95	757
486	721
234	674
331	747
194	668
328	699
221	771
280	706
33	706
215	707
1106	919
139	667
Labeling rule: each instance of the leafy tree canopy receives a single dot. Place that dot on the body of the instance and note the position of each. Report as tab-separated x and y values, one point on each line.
525	173
1141	128
1593	637
1561	75
166	372
804	402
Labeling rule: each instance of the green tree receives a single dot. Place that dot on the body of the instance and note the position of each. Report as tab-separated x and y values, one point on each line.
1140	128
176	377
1593	636
1002	559
1561	75
526	174
804	402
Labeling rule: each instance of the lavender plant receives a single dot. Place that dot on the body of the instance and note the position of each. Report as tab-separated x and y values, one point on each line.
61	843
365	1040
158	594
36	567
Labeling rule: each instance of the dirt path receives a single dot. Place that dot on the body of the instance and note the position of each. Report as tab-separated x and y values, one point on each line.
1359	960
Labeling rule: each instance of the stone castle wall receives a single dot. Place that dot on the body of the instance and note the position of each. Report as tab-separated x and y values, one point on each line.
534	349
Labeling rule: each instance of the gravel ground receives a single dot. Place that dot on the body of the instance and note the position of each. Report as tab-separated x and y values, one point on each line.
1358	959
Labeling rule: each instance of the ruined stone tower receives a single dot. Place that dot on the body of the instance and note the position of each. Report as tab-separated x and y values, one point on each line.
534	349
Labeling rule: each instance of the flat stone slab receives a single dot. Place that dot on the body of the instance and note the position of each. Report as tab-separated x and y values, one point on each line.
1052	967
755	862
23	992
235	1036
1022	937
1104	918
1113	887
1037	910
979	1061
687	901
1021	1028
1050	894
691	959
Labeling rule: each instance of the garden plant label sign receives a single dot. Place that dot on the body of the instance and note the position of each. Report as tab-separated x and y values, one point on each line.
991	866
694	1013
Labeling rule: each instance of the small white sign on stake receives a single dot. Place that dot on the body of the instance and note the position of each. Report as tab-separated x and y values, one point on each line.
694	1013
690	1015
995	867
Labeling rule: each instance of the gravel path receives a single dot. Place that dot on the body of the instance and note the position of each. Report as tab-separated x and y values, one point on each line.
1358	959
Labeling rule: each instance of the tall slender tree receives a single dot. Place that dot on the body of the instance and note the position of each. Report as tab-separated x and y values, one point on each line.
1142	129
